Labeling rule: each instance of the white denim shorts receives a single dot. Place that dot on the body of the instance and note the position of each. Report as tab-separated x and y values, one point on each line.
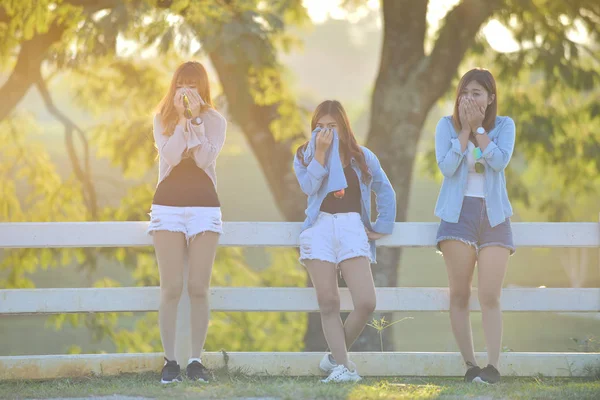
188	220
335	238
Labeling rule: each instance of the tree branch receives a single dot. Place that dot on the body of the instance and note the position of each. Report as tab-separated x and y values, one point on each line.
33	52
29	61
457	34
83	174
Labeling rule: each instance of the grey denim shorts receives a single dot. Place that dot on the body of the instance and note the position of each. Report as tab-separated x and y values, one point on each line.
473	228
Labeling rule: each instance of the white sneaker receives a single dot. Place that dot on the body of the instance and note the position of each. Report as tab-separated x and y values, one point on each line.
327	363
342	374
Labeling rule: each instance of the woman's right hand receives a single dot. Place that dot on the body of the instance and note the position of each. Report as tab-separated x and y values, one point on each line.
462	115
178	102
324	140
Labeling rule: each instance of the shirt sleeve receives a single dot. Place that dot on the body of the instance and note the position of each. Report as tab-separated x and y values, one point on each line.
170	148
447	149
207	139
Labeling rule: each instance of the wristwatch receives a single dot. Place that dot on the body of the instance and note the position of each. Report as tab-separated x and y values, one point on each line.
480	130
197	121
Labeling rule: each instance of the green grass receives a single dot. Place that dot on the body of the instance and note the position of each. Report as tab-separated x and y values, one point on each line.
240	386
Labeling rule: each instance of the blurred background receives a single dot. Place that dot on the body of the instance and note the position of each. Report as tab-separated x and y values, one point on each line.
79	81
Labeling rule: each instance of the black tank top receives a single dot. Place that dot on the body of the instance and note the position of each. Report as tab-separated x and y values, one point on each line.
336	203
186	186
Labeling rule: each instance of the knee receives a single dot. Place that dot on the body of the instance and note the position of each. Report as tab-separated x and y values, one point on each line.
329	304
488	299
460	297
171	292
366	306
197	292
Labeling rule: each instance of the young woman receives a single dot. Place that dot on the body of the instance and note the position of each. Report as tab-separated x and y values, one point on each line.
338	176
186	215
473	147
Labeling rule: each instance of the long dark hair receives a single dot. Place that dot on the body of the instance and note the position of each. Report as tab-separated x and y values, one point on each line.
348	145
188	73
485	79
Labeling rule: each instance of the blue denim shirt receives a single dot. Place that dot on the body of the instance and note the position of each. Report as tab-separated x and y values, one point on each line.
313	181
453	164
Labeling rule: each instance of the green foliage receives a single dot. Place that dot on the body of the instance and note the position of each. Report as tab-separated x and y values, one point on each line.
24	19
32	190
546	31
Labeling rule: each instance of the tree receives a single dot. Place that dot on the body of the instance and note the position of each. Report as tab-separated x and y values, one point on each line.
242	39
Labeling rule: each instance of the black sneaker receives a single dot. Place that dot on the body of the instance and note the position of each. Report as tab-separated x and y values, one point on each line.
472	372
171	372
489	375
198	372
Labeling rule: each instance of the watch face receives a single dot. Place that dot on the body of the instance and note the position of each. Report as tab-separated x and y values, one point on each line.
480	130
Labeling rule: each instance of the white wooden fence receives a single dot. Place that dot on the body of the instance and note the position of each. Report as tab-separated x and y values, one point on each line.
129	234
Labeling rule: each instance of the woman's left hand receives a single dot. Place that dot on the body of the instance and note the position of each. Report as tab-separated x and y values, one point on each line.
195	100
374	235
475	114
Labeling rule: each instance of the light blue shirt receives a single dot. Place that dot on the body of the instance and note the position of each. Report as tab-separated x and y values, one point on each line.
453	164
314	181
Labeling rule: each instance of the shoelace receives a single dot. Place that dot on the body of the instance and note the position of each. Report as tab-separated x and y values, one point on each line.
338	372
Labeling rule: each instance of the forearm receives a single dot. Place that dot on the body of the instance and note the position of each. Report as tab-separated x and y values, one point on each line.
463	138
483	141
320	157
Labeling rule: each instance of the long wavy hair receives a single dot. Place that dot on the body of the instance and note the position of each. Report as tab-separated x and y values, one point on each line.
349	147
188	73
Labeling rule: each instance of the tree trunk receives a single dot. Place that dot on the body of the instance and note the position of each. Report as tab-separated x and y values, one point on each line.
29	61
408	84
274	156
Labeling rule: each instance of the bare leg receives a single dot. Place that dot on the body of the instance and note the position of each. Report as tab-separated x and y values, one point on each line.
324	279
460	262
492	264
359	279
202	250
170	250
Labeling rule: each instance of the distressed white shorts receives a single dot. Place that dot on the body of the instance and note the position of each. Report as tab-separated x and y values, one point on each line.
188	220
335	238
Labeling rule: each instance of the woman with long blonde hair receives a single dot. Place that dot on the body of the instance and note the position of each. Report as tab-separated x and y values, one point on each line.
186	215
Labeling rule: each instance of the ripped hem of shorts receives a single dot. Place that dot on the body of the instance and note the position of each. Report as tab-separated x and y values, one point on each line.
151	230
357	255
188	238
302	260
499	244
337	265
465	241
192	237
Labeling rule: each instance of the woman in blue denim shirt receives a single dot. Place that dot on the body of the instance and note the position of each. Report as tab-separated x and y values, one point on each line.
473	147
338	176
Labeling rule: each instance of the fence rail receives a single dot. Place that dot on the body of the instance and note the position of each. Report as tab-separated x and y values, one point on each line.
273	234
251	299
246	299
